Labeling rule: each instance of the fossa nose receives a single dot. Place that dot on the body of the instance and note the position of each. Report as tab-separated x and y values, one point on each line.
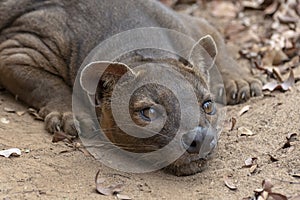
199	139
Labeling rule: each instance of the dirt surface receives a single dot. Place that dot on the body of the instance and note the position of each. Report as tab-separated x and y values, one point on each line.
47	170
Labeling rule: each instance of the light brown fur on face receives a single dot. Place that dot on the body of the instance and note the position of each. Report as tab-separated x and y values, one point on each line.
161	98
43	44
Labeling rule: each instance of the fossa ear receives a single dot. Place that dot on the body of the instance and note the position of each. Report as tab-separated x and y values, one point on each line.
102	70
101	77
203	54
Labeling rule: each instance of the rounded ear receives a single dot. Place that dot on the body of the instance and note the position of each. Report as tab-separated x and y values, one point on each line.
93	72
203	54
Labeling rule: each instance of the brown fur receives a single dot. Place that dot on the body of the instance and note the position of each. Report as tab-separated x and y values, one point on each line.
43	43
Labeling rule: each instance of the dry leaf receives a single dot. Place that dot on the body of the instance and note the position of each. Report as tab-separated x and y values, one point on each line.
287	84
108	191
224	9
230	184
245	132
254	4
250	161
271	8
272	158
20	113
277	196
277	74
280	57
9	110
103	190
274	56
123	197
291	137
10	152
3	120
253	168
266	193
287	19
244	110
271	86
267	185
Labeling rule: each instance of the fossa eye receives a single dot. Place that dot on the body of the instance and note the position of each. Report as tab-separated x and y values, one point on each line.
209	107
149	114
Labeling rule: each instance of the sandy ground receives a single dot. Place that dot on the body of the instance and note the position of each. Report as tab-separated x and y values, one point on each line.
45	173
47	170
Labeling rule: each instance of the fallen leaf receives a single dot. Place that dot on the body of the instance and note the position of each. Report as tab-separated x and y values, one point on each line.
272	158
245	132
104	190
20	113
224	9
271	86
244	110
274	56
267	185
10	152
9	110
3	120
286	85
271	8
266	193
277	74
123	197
291	137
259	190
280	57
253	168
254	4
287	19
250	161
230	184
277	196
